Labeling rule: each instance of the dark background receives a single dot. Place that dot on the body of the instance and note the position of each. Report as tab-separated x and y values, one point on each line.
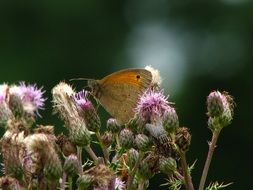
198	47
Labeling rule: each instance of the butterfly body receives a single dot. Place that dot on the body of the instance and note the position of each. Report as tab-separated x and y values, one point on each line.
119	92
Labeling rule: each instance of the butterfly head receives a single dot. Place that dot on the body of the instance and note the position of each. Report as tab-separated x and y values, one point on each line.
95	87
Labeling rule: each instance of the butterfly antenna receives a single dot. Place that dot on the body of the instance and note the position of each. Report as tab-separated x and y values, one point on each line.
79	79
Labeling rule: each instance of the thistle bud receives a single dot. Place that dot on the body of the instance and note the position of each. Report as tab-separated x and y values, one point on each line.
168	165
143	142
183	138
52	165
84	182
126	138
113	126
132	157
148	167
71	166
80	136
145	170
170	120
220	108
215	104
52	171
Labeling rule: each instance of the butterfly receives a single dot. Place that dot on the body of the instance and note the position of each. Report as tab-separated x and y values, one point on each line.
119	92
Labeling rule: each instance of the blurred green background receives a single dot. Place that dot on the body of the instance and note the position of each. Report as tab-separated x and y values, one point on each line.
198	46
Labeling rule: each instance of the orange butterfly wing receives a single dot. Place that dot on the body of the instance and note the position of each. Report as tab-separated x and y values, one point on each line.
119	92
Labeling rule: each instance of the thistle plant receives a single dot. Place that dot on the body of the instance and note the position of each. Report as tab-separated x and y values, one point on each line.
152	142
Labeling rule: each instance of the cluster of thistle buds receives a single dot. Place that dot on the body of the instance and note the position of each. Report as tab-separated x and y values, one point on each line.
127	157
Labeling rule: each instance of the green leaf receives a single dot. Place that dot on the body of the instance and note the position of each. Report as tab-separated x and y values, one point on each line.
217	186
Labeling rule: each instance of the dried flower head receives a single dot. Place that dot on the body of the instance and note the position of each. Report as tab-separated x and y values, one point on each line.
7	182
107	139
45	129
11	145
115	184
166	149
101	176
40	157
183	138
65	105
156	77
66	145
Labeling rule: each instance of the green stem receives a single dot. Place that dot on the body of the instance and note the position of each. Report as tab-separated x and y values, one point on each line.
132	173
179	176
117	141
79	154
212	146
141	185
187	177
63	183
104	149
91	153
70	181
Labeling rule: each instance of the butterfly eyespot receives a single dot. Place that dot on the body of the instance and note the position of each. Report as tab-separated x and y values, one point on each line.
138	77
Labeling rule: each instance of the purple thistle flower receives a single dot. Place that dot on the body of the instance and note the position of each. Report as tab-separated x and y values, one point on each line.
119	184
153	106
81	100
86	110
31	96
